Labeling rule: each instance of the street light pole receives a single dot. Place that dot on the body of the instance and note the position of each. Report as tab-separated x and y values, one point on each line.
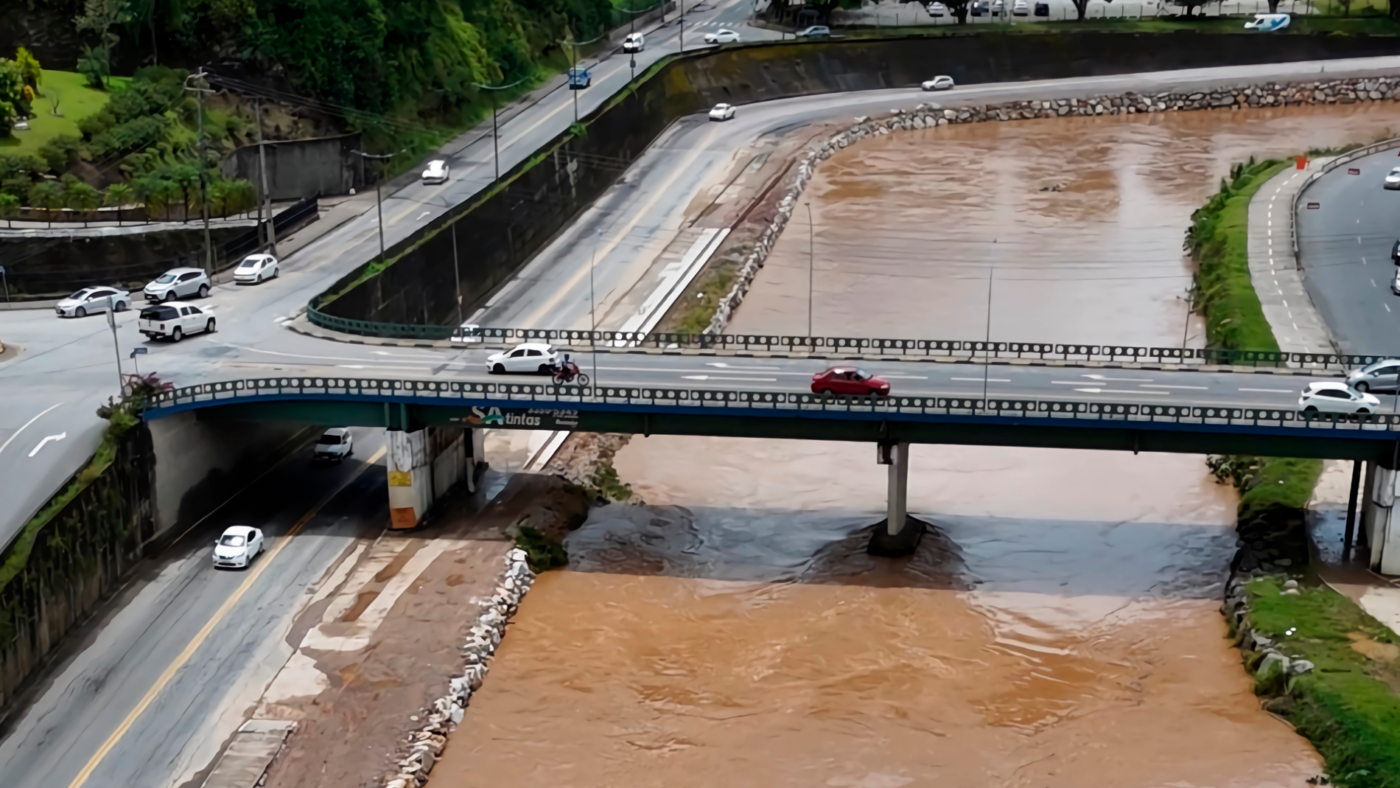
593	305
203	165
811	268
495	129
266	196
378	197
116	346
987	362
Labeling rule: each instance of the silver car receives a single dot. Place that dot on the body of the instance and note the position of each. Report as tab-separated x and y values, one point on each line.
1382	375
91	300
1392	180
178	283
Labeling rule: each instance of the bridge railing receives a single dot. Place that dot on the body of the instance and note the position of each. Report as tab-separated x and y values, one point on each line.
604	398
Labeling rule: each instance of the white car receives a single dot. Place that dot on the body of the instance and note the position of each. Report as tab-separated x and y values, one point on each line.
1332	397
937	10
468	333
526	357
1267	23
635	42
1020	8
1382	375
92	300
334	445
436	172
938	83
256	269
237	548
815	31
178	283
722	37
175	320
1392	181
722	112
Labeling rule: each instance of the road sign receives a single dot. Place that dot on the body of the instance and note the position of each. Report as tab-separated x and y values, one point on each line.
1312	206
138	351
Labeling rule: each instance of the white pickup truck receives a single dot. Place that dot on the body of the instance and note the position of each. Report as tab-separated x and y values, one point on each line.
174	320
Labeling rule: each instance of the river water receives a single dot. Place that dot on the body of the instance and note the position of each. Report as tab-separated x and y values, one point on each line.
1058	626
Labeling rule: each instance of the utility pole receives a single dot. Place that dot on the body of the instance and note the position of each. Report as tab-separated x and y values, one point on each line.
265	201
203	165
987	362
573	63
811	268
682	31
378	197
495	130
116	346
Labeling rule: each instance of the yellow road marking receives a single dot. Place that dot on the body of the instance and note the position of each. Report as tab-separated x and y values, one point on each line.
203	634
574	281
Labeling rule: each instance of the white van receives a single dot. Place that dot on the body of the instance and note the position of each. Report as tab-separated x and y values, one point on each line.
1267	23
633	43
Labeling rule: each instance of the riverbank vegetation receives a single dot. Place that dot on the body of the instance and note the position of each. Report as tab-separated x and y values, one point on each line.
1345	705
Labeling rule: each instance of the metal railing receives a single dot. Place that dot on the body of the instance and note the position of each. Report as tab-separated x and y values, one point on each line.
1345	158
756	403
864	348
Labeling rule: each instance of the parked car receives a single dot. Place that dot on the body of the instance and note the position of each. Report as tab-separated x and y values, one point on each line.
174	320
941	82
1333	397
1042	9
1378	376
1267	23
526	357
1395	252
722	112
849	381
998	8
436	172
815	31
634	42
978	7
1395	283
1020	8
334	445
237	548
1392	181
937	10
92	300
178	283
722	37
256	269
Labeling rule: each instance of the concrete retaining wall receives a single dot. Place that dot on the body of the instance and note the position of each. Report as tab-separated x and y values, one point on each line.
301	168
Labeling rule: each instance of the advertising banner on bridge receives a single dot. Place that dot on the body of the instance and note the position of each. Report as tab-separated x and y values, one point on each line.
518	418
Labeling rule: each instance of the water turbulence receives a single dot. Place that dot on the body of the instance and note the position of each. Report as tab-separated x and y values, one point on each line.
1059	626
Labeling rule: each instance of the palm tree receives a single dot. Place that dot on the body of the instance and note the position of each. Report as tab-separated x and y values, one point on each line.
241	196
186	176
166	192
9	208
47	195
119	195
82	198
217	196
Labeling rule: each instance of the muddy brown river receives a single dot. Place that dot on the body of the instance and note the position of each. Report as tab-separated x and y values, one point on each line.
1058	627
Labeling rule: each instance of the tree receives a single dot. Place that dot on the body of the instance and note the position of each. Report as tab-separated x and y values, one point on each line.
100	17
149	190
9	208
82	198
166	192
47	195
216	194
240	197
119	195
187	178
29	69
11	95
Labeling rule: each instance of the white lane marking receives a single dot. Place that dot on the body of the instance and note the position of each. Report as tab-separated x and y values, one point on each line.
1387	307
1163	386
904	377
6	444
722	365
729	380
421	215
1270	391
1124	391
333	358
46	440
1103	378
980	380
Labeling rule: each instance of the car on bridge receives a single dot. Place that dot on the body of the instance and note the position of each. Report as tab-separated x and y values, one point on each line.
849	381
1392	180
256	269
334	445
92	300
1267	23
436	172
635	42
1383	375
528	357
722	112
237	548
1332	397
722	37
815	31
175	320
178	283
941	82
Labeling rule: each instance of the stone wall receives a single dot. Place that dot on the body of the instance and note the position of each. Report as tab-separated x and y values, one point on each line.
1345	91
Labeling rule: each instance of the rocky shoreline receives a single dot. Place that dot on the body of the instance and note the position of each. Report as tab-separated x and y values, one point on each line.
1271	94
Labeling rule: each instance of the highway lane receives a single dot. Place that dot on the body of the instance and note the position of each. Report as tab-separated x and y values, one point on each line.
1344	247
149	691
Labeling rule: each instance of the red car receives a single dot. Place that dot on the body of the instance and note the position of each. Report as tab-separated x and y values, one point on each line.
849	381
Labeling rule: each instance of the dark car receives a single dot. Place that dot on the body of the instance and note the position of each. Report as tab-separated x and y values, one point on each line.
1042	9
1395	252
849	381
978	7
815	31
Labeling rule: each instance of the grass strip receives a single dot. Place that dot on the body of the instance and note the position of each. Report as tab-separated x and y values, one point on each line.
1345	705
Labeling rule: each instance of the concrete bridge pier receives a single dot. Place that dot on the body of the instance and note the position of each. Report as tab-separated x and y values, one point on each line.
898	534
1380	523
424	465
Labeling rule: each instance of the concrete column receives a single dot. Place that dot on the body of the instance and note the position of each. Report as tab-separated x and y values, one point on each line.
424	466
899	534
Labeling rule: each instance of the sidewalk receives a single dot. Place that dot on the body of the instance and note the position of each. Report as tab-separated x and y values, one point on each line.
1274	270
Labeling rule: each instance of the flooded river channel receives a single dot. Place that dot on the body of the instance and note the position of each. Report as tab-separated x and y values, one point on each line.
1059	627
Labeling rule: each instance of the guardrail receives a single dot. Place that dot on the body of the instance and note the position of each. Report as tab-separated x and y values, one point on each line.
865	347
605	398
1345	158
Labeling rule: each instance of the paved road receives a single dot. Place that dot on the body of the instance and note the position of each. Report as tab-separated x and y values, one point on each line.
163	678
1344	246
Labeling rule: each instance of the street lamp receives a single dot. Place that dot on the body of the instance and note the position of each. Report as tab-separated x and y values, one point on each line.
495	135
203	165
378	199
573	62
811	269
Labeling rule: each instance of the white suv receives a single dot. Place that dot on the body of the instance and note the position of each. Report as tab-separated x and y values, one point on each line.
178	283
173	320
633	43
256	268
